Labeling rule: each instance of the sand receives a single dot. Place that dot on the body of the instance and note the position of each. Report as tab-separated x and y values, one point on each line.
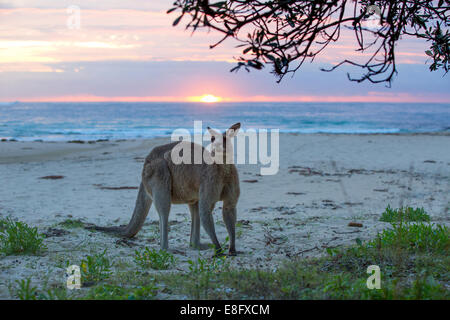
324	183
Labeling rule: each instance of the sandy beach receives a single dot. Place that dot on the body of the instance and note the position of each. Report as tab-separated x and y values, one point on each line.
324	183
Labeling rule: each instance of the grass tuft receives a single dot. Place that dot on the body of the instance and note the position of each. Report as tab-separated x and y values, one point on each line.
72	224
404	214
114	292
17	237
95	268
414	237
154	259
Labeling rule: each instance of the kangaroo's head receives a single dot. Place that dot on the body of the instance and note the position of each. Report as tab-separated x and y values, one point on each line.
221	143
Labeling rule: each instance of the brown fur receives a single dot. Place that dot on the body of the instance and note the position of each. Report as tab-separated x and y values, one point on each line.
198	185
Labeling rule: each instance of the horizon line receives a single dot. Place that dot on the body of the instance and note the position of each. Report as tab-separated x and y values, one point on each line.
371	98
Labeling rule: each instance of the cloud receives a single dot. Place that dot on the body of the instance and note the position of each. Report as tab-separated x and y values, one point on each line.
89	4
174	81
129	50
135	33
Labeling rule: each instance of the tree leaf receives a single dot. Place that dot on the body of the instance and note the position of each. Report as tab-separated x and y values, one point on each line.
177	20
171	10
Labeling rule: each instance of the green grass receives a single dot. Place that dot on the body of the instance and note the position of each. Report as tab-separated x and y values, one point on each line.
95	268
71	224
413	259
154	259
205	265
17	237
412	256
404	214
24	290
114	292
424	237
202	276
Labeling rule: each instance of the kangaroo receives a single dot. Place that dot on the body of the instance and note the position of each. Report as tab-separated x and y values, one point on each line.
199	186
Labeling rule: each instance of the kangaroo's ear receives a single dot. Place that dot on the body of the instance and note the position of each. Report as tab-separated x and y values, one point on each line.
232	131
214	134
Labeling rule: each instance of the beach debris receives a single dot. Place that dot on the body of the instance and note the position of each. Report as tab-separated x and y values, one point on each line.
357	171
244	222
348	232
126	242
102	187
325	244
355	224
289	212
52	177
250	181
429	161
258	209
381	190
269	238
304	171
296	193
53	232
76	141
285	210
307	250
176	251
351	204
330	204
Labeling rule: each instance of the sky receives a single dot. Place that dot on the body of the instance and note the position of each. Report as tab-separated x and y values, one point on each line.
129	51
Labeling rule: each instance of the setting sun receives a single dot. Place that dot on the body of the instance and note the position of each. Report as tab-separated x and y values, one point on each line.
209	98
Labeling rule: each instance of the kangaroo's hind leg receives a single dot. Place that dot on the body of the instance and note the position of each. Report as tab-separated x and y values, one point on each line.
229	217
206	206
159	182
195	228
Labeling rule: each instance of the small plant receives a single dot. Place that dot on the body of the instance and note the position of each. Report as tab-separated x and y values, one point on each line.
215	265
154	259
17	237
202	274
404	214
71	224
95	268
59	293
2	224
113	292
25	291
414	237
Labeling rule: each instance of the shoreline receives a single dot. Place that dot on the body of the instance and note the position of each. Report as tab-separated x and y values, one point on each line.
444	132
9	151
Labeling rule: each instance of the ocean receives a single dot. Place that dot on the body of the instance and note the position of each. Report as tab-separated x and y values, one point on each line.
25	121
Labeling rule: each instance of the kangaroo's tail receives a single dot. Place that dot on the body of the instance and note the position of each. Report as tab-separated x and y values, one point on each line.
141	209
